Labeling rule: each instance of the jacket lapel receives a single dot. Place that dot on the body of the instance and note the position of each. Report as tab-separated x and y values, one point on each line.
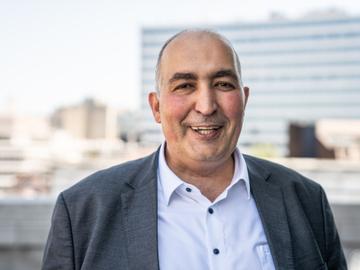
271	206
139	206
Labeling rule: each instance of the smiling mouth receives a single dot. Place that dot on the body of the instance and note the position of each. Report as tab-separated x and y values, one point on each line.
206	130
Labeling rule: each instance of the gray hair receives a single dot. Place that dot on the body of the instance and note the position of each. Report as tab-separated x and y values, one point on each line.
206	31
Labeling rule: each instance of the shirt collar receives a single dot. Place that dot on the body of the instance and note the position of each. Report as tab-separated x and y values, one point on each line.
241	171
169	181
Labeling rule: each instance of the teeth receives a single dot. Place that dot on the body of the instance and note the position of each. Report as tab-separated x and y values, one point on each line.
205	130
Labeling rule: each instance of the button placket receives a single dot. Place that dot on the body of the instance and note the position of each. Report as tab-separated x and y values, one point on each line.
215	238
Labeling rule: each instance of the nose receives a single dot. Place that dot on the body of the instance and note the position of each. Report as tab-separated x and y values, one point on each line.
206	103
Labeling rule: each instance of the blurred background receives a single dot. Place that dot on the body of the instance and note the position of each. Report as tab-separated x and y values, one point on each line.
74	79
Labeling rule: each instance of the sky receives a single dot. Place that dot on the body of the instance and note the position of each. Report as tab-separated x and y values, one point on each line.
55	53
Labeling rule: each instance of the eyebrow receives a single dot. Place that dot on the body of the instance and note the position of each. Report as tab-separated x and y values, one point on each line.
225	73
183	76
191	76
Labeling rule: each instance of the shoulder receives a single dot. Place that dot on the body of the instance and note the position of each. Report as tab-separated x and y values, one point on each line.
281	175
300	194
115	179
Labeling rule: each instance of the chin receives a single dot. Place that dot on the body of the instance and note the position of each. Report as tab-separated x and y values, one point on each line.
206	155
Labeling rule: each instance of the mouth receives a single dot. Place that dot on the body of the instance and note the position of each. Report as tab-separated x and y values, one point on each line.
207	131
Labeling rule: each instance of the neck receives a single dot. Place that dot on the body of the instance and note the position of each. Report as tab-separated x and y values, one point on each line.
210	177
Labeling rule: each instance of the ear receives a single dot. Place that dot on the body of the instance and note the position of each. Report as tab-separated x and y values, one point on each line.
155	106
246	94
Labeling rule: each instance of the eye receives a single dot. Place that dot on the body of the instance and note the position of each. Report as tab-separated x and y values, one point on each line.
184	86
224	86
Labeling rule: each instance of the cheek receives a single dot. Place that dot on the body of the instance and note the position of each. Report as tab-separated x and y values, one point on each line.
174	108
233	106
172	112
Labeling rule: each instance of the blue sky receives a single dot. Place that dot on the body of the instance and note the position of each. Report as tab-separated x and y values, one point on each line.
58	52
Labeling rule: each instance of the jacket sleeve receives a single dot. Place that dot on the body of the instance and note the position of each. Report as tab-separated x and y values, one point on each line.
59	249
335	258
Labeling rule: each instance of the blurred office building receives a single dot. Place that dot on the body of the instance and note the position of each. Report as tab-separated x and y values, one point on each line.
301	70
39	158
327	138
25	165
86	134
87	120
128	126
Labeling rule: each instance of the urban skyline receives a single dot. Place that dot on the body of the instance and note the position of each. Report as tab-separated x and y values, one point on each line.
63	52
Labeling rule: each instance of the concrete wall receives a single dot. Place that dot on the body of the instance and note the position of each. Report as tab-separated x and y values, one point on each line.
24	226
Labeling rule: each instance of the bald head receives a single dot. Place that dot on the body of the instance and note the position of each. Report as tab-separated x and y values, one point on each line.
188	36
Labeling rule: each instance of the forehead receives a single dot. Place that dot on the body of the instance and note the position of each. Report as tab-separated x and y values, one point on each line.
197	53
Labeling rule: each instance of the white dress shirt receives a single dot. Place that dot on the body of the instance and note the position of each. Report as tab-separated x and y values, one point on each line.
195	233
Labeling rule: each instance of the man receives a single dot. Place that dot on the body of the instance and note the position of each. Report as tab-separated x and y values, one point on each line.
197	203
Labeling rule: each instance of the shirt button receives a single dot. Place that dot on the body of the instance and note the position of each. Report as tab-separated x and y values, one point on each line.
210	210
216	251
188	189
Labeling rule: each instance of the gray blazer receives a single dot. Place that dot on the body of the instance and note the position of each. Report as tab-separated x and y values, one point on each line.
109	220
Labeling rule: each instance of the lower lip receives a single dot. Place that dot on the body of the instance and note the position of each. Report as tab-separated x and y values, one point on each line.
213	134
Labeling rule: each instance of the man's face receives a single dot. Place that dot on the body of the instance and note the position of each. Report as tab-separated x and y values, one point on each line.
201	104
